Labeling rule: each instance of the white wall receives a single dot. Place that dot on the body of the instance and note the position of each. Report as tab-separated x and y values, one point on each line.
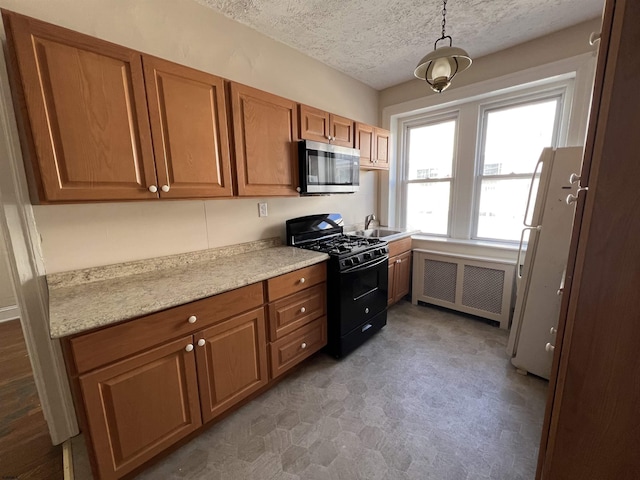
7	297
183	31
557	46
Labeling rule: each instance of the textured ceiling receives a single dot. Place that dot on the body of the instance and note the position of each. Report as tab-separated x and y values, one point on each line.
379	42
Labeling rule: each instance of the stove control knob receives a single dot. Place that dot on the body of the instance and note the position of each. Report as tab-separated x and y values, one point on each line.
348	262
356	259
367	256
385	249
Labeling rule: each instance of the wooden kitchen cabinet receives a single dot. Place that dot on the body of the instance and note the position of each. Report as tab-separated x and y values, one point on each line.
188	114
88	128
142	385
321	126
265	132
399	270
297	316
137	407
373	143
85	126
232	362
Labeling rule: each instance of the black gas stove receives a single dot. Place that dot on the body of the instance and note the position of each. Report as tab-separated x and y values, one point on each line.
357	278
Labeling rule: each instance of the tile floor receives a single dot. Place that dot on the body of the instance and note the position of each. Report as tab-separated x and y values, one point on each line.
432	396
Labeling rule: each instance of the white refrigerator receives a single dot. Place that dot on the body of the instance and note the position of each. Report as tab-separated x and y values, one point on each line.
539	272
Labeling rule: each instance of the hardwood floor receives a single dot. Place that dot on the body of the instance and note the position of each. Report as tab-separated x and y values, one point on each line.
25	446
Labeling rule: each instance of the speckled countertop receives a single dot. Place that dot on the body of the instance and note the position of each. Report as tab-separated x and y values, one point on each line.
85	299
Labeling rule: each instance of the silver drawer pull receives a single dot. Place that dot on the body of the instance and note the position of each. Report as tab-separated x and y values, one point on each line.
302	310
366	327
303	346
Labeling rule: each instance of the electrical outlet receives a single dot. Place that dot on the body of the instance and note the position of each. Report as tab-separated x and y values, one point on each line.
262	209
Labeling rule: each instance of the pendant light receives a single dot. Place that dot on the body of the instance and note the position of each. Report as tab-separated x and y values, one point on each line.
440	66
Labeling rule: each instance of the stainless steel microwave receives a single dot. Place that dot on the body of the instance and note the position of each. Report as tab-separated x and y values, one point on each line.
326	168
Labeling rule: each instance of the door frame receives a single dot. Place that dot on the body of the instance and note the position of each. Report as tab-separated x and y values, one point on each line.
17	225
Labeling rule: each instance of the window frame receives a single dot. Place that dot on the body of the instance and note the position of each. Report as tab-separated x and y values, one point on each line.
559	93
441	117
462	216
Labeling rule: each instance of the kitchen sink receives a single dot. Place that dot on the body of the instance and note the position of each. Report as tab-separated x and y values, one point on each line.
375	233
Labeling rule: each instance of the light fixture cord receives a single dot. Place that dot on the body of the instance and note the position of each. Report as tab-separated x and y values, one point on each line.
444	17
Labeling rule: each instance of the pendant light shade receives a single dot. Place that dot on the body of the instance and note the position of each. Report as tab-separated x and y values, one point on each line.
439	67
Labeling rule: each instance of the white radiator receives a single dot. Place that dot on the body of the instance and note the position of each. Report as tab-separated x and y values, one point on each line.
476	285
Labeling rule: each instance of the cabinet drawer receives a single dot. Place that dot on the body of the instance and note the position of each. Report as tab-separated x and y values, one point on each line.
399	246
295	347
289	313
119	341
296	281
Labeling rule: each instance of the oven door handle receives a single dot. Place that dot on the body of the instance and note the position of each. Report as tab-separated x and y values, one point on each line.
366	266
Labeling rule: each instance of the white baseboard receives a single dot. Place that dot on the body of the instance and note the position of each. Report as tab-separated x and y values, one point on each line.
9	313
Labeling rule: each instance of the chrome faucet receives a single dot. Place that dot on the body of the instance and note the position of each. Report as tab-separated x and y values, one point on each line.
368	219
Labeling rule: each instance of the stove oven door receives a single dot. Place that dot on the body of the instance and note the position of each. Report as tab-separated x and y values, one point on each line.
363	293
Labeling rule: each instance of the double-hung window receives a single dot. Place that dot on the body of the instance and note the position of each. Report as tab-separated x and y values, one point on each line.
466	170
429	173
513	134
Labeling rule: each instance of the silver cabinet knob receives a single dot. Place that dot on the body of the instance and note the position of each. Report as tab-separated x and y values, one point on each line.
201	342
153	188
549	348
366	310
553	330
302	280
302	310
192	319
165	188
303	346
189	348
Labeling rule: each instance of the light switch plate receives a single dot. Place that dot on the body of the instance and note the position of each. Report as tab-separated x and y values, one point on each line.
262	209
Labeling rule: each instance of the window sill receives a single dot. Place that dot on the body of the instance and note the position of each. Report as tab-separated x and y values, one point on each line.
459	246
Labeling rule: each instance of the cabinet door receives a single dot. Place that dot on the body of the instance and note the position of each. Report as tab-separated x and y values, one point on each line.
391	280
342	131
137	407
188	115
314	124
86	126
381	148
364	141
402	276
265	131
232	362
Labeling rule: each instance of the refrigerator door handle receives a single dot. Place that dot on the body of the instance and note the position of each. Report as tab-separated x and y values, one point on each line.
533	178
519	265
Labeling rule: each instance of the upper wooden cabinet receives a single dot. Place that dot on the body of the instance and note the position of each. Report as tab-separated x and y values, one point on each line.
87	126
86	129
373	143
265	131
321	126
188	116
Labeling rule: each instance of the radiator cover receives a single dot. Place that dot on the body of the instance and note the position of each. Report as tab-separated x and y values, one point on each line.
477	285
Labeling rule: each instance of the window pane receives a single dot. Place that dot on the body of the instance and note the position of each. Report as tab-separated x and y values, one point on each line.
431	150
502	204
428	207
515	137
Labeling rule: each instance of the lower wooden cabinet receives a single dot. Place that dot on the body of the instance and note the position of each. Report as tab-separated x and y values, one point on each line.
232	362
137	407
144	384
295	347
399	270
